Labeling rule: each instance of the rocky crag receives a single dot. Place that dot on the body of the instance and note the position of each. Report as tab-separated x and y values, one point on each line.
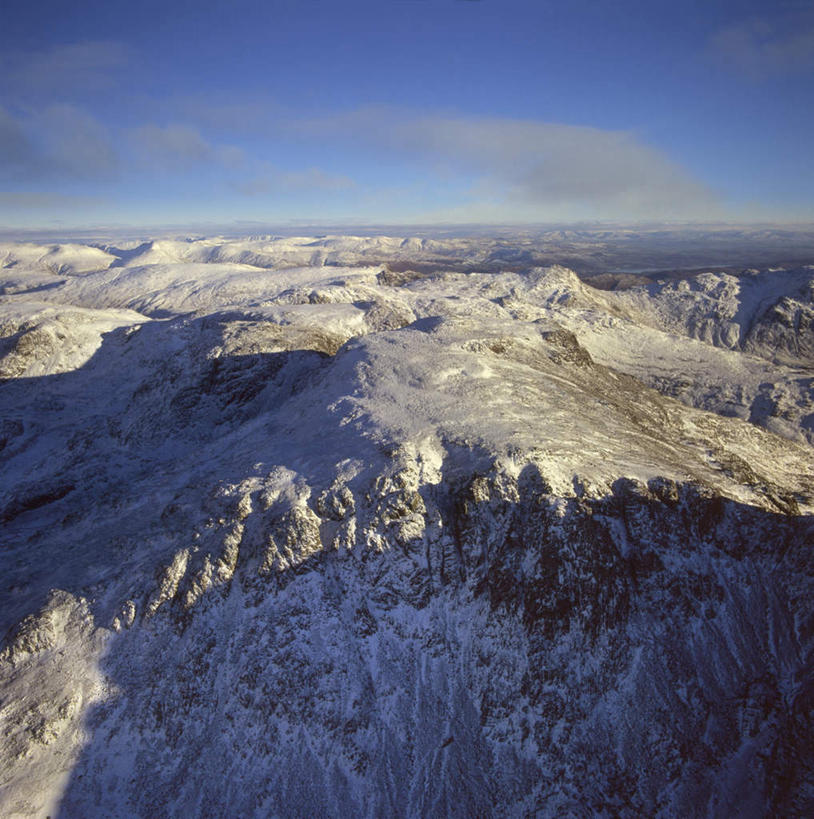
326	540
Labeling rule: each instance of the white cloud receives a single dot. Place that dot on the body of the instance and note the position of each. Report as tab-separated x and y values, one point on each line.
531	166
179	145
58	141
76	142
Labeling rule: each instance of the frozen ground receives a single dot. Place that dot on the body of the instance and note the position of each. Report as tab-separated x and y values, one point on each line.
330	526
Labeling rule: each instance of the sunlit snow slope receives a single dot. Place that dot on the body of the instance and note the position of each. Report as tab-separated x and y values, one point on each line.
287	531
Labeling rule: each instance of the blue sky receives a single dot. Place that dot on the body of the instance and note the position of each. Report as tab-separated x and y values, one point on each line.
409	111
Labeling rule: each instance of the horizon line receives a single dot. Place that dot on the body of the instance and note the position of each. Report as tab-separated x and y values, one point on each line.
345	227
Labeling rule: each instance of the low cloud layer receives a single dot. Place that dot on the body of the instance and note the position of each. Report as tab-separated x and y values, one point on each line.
526	169
65	142
174	145
55	143
536	165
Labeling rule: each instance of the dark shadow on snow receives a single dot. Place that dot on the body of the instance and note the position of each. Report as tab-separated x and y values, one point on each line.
671	571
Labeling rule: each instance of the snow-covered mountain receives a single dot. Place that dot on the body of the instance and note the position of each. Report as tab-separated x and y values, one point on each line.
290	530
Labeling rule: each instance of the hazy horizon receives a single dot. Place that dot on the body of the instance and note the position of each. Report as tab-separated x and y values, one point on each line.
305	227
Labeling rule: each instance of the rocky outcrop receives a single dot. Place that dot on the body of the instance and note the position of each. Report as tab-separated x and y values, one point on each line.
481	646
339	548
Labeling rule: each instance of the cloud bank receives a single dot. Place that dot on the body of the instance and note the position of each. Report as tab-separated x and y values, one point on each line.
411	164
174	145
538	166
54	143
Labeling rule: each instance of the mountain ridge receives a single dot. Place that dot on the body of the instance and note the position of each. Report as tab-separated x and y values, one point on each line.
322	543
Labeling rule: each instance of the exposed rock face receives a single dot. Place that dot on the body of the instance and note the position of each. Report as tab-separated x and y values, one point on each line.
506	651
403	548
687	339
49	683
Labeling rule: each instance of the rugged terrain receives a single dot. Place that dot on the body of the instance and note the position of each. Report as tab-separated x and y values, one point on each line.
312	527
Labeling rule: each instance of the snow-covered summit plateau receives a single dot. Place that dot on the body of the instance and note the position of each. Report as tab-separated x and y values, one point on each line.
291	527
